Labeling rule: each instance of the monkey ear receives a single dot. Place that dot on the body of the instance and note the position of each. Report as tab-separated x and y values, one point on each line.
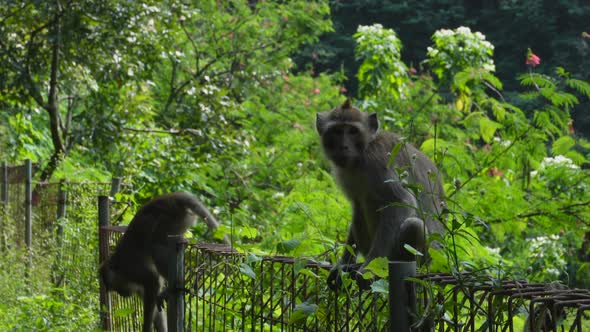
347	104
319	123
373	122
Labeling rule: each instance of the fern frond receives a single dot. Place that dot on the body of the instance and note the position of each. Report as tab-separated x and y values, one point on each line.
582	87
534	79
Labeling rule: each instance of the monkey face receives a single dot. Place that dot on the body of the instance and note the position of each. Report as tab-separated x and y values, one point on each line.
346	132
344	144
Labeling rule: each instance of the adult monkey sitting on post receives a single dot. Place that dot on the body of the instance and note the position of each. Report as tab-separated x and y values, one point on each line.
386	215
139	264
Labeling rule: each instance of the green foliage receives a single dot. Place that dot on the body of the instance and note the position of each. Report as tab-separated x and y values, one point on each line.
501	183
60	291
204	97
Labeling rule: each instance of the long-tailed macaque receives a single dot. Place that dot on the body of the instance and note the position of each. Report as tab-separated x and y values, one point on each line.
139	264
387	213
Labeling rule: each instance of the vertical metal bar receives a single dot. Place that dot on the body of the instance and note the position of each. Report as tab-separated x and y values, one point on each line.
103	245
115	186
4	191
4	197
491	312
61	212
402	296
455	308
176	245
28	203
57	273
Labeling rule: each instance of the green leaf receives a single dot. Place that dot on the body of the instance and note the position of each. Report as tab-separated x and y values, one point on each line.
301	312
584	143
247	270
380	286
576	157
487	128
562	145
123	312
250	258
493	80
428	145
379	266
284	247
394	153
248	232
579	85
412	250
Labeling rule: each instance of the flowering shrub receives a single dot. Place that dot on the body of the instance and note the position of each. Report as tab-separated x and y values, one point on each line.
455	50
382	69
513	176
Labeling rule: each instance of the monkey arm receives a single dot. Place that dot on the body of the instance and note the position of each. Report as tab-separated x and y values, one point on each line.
202	211
348	256
397	225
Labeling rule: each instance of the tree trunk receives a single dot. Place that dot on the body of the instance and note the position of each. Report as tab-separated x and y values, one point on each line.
52	106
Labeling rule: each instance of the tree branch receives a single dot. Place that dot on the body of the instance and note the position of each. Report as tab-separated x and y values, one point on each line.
182	131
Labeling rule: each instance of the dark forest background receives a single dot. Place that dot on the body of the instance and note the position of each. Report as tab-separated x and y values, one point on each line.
552	29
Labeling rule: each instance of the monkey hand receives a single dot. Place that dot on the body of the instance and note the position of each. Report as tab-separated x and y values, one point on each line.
162	298
363	282
335	278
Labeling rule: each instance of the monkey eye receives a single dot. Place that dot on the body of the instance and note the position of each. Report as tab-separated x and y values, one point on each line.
353	130
337	131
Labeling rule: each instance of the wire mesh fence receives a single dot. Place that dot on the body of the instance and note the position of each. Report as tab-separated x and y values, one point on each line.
226	290
60	256
229	291
119	313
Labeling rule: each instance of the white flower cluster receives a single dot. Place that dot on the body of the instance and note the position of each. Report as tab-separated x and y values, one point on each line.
551	251
460	48
386	39
558	161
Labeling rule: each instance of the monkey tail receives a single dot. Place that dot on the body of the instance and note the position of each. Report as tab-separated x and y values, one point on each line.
202	211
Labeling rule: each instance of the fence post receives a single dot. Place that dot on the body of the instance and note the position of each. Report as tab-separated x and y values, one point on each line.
103	245
28	203
402	296
176	244
61	211
4	198
4	191
115	186
57	273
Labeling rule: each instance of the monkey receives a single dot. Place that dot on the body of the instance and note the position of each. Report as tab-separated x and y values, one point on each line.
139	264
386	213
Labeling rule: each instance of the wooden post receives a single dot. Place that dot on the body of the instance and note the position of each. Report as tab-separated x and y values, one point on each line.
103	245
402	296
28	203
176	284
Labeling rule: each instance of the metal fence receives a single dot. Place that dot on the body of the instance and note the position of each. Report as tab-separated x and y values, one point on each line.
226	290
32	220
223	290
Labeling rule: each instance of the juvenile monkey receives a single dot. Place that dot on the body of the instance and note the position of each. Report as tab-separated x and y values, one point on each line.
385	213
139	264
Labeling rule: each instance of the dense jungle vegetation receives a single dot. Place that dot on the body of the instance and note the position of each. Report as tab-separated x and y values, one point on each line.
219	98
